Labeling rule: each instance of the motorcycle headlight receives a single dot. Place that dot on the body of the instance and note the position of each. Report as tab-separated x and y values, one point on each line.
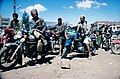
15	37
19	34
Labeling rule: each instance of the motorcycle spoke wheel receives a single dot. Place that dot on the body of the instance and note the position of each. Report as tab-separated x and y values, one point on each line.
5	61
115	49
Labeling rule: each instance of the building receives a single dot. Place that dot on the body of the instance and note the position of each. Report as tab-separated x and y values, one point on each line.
99	23
115	25
54	23
4	22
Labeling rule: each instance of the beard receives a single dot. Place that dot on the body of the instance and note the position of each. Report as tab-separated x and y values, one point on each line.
59	23
35	18
82	22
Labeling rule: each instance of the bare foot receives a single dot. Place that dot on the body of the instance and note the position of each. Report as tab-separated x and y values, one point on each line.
89	58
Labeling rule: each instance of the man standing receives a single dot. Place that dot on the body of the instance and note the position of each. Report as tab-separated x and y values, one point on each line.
60	28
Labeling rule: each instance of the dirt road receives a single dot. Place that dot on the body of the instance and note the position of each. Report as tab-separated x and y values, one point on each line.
102	66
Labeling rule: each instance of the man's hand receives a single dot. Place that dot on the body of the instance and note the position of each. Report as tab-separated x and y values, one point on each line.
92	34
57	33
38	21
82	34
67	38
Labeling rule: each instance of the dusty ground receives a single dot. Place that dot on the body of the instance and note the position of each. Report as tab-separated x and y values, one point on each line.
102	66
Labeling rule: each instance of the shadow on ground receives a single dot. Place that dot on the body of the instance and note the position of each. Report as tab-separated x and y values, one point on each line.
32	63
79	56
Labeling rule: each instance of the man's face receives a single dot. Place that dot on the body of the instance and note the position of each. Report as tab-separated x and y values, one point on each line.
14	17
92	25
59	21
34	14
82	18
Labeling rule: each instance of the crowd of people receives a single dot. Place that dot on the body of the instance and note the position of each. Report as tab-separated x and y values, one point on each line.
60	27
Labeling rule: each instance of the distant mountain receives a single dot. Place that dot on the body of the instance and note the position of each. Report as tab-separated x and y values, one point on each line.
53	23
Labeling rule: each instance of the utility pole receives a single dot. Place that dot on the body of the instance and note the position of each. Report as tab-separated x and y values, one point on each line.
14	6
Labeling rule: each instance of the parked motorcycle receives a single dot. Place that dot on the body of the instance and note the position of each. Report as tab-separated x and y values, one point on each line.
25	44
115	46
82	42
74	43
54	41
69	43
82	47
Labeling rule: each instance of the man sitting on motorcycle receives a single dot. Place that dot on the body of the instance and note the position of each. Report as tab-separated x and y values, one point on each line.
107	35
107	32
60	28
82	29
37	27
108	29
15	24
12	29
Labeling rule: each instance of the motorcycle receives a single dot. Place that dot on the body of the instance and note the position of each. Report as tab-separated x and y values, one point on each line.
7	36
54	41
81	47
82	42
9	55
25	44
74	43
115	46
69	44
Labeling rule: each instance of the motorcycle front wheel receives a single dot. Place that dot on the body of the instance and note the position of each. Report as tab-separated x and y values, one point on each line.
115	48
5	58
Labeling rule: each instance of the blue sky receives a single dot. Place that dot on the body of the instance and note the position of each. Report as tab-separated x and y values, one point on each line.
69	10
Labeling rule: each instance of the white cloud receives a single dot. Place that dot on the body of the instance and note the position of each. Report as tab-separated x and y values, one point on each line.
70	7
64	7
104	4
98	4
85	4
39	7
